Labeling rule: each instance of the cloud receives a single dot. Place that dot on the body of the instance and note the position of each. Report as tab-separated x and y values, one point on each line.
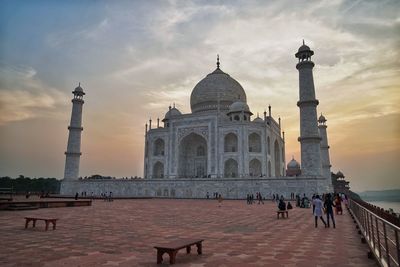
24	96
68	36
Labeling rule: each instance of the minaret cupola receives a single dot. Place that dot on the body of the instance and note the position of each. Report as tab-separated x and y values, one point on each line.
304	53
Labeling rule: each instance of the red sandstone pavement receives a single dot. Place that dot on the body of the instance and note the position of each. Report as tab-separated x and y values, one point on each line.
123	233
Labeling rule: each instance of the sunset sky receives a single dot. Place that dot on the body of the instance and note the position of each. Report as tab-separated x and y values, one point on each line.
135	58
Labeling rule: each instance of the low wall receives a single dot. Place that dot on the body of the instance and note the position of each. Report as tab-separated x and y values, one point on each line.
197	188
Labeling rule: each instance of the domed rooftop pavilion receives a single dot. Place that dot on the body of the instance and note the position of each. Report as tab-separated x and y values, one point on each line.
216	87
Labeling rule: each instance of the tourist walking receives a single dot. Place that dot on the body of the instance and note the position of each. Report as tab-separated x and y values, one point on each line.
338	205
219	200
260	198
318	204
312	201
328	205
346	201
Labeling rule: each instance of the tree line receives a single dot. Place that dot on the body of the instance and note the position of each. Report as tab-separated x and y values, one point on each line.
22	184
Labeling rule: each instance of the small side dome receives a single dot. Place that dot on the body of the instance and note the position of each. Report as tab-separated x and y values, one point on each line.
172	112
293	164
258	119
322	119
339	174
239	106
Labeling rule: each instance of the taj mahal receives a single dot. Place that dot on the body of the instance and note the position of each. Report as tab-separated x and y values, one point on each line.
221	146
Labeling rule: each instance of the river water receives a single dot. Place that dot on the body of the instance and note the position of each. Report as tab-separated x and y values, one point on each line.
387	205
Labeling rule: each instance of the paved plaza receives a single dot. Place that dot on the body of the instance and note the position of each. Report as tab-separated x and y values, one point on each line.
123	233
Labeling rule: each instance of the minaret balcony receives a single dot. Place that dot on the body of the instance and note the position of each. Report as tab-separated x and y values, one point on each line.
313	102
305	64
75	128
73	153
309	138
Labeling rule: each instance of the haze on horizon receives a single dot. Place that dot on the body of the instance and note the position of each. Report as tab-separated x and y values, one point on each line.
135	58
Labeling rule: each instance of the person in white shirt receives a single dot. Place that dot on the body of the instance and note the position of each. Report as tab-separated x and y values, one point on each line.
318	212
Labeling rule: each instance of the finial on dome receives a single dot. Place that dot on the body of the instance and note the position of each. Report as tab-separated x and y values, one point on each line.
218	61
174	104
79	84
258	115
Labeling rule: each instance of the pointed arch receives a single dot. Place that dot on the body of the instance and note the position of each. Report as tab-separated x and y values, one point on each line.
192	156
277	158
255	168
269	169
158	170
254	143
230	143
159	146
231	168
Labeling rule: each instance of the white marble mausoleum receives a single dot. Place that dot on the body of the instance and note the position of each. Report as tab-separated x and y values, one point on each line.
221	146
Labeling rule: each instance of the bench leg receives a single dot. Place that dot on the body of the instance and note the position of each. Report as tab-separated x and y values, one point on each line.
199	248
188	249
34	222
172	256
47	224
54	224
26	223
159	256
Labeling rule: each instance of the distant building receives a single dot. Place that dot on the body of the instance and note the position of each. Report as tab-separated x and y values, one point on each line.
340	185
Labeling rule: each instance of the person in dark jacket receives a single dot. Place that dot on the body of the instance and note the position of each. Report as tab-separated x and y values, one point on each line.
282	204
328	205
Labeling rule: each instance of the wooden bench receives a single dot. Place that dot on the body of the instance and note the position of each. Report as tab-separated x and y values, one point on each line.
173	248
282	213
46	220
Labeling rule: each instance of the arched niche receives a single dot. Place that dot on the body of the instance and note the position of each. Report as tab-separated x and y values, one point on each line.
255	168
254	143
192	157
158	170
158	147
277	158
231	143
269	169
231	168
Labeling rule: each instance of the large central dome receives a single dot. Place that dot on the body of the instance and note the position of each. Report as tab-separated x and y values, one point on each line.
216	87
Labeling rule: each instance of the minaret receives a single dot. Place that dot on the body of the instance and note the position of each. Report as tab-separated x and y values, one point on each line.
73	153
325	161
309	135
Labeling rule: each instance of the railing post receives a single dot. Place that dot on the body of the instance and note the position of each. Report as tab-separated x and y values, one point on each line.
379	240
369	226
397	245
372	229
386	245
364	222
